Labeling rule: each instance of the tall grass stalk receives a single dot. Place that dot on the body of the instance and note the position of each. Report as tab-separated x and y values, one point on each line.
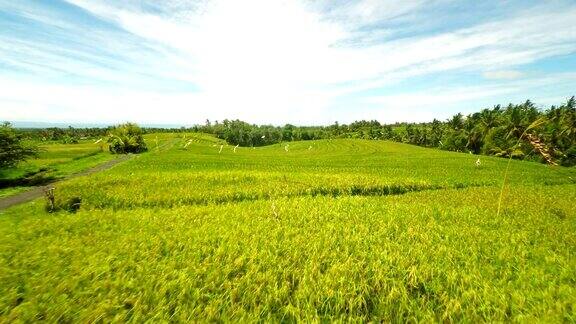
534	124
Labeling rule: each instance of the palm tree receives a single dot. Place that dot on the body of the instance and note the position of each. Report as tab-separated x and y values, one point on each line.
489	119
456	122
568	120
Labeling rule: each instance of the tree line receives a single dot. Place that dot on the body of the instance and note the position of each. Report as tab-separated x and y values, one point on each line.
19	145
520	131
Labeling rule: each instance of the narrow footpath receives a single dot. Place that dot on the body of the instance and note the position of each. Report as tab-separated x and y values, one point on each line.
38	191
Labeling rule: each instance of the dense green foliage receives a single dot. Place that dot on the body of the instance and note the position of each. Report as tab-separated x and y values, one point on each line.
68	135
345	229
494	131
241	133
12	147
73	135
126	138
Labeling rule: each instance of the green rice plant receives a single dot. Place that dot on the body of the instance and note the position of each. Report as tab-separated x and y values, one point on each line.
352	230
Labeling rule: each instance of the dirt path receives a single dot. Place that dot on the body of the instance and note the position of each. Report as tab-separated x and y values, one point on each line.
37	192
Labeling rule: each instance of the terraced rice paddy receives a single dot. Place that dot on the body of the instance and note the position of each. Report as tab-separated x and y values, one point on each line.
327	230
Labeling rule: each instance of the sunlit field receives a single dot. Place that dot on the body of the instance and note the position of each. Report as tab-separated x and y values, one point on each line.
315	230
54	161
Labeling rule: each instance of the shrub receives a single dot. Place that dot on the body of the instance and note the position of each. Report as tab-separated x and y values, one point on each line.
71	205
126	138
12	148
569	158
67	139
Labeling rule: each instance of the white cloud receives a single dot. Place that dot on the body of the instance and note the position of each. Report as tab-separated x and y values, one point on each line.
503	75
60	103
267	60
419	105
231	37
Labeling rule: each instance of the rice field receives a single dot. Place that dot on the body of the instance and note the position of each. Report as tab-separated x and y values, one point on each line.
54	161
350	230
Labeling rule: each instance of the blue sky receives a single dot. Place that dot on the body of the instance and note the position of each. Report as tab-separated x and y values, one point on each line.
279	61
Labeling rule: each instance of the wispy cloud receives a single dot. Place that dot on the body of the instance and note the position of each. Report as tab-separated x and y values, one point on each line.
503	74
267	60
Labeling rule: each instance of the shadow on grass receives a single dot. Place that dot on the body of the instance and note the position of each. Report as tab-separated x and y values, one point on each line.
29	179
237	197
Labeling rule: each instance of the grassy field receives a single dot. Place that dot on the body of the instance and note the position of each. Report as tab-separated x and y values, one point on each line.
320	230
55	161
